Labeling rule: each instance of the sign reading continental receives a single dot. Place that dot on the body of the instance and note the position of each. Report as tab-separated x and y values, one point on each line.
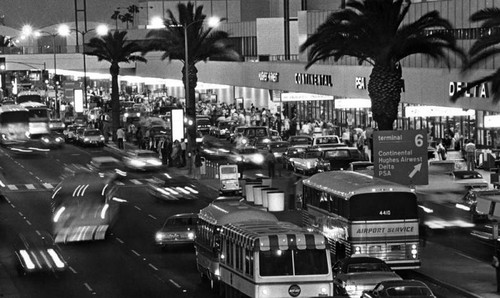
401	156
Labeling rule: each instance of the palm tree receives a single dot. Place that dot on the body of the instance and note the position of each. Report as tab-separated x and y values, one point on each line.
372	31
484	50
203	43
6	41
114	48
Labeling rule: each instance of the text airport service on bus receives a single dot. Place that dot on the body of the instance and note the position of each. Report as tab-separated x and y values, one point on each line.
210	221
274	259
361	214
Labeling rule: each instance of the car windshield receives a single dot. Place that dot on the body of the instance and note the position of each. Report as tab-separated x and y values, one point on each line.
312	154
326	140
181	221
294	153
92	133
468	175
247	150
367	267
408	291
146	154
336	154
224	125
300	141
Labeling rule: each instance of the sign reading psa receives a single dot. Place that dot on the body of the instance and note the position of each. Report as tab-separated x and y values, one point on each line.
401	156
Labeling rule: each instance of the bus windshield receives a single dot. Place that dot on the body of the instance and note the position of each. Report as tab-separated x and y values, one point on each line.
13	117
38	113
383	206
281	262
29	97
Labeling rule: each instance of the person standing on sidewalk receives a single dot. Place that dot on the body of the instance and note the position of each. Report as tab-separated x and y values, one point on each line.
496	264
271	162
120	136
183	152
197	164
470	151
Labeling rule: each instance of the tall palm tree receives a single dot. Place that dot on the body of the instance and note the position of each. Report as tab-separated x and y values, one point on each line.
6	41
372	31
115	48
484	50
203	43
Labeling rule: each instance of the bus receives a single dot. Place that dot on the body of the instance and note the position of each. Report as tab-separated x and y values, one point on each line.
39	118
14	125
29	96
361	214
274	259
210	221
83	207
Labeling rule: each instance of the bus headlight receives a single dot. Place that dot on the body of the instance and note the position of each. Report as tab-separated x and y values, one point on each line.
264	291
358	249
350	289
190	235
414	250
27	134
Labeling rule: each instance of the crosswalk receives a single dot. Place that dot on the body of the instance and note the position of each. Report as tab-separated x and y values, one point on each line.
27	187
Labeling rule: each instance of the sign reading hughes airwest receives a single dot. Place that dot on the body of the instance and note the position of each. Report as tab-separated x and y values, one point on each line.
313	79
401	156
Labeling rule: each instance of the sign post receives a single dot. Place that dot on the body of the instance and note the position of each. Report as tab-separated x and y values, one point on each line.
401	156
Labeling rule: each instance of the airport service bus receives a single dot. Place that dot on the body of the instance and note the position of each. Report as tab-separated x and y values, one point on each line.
29	96
83	207
274	259
361	214
210	221
14	125
39	118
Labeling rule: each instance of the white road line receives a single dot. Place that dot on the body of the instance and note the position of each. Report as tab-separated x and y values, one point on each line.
152	180
136	253
152	266
38	233
30	186
88	287
28	222
20	213
8	201
468	257
138	208
119	240
48	185
135	181
152	216
72	270
174	283
12	187
12	205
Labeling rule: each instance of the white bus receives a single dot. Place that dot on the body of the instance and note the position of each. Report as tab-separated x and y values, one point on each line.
361	214
211	219
274	259
29	96
14	125
39	118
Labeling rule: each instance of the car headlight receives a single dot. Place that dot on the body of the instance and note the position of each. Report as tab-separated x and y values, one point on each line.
159	236
239	158
266	140
244	141
350	289
101	137
258	158
27	134
59	140
190	235
137	163
45	140
125	115
86	139
154	162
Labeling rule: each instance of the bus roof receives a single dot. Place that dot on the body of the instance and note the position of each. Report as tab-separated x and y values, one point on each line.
12	108
272	235
348	183
230	211
33	104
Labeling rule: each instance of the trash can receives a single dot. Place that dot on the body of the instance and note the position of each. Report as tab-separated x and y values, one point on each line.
249	191
257	194
265	192
276	201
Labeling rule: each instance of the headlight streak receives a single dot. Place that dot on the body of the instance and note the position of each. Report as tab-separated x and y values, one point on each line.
104	210
58	214
55	257
27	260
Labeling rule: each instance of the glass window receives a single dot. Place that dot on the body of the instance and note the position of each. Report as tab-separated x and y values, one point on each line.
249	262
275	263
310	261
383	206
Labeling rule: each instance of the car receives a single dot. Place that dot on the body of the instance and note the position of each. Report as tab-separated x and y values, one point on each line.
131	115
37	253
56	125
178	229
247	156
261	143
307	162
300	141
278	148
338	158
469	179
213	149
469	202
222	129
107	167
360	165
91	137
142	160
327	141
250	133
400	288
78	137
174	189
289	155
203	124
359	273
70	133
236	132
52	140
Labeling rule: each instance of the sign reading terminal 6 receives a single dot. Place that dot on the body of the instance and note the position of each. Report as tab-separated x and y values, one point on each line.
401	156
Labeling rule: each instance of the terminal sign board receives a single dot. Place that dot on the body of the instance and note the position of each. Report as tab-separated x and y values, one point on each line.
401	156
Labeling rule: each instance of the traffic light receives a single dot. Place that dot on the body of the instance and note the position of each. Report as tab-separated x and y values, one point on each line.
45	76
57	79
3	65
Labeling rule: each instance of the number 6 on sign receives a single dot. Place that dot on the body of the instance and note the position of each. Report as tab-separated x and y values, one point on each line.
419	140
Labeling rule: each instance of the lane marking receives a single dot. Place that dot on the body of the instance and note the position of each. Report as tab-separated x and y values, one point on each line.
135	181
174	283
88	287
48	185
38	233
30	186
136	253
12	205
20	213
119	240
152	216
72	270
28	222
152	266
12	187
138	208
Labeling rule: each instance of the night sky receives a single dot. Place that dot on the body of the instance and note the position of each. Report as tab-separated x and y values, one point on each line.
42	13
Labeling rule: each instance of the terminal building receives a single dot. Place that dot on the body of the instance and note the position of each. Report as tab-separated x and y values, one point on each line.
268	33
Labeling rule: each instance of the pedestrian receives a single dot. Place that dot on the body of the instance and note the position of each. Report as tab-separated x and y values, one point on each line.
346	137
271	163
120	136
140	138
496	264
441	149
183	152
164	151
169	149
197	164
470	151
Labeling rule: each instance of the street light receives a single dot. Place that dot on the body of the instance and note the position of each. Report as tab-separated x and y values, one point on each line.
64	30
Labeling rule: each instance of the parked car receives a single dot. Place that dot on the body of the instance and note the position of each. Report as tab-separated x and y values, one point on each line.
399	288
221	130
175	189
300	141
250	133
359	273
142	160
37	253
328	141
247	156
307	162
468	179
91	137
278	148
469	202
338	158
177	230
289	155
56	125
203	124
52	140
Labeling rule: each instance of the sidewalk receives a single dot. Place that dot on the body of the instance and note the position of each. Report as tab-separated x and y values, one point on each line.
441	265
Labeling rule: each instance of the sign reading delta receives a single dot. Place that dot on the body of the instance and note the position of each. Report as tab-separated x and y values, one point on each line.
401	156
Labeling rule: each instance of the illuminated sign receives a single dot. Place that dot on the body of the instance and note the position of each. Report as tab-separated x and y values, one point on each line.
177	124
269	76
434	111
401	156
384	230
78	96
313	79
481	91
360	83
492	121
353	103
292	96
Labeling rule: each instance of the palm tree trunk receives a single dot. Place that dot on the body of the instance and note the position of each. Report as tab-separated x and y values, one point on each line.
384	90
191	107
114	70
